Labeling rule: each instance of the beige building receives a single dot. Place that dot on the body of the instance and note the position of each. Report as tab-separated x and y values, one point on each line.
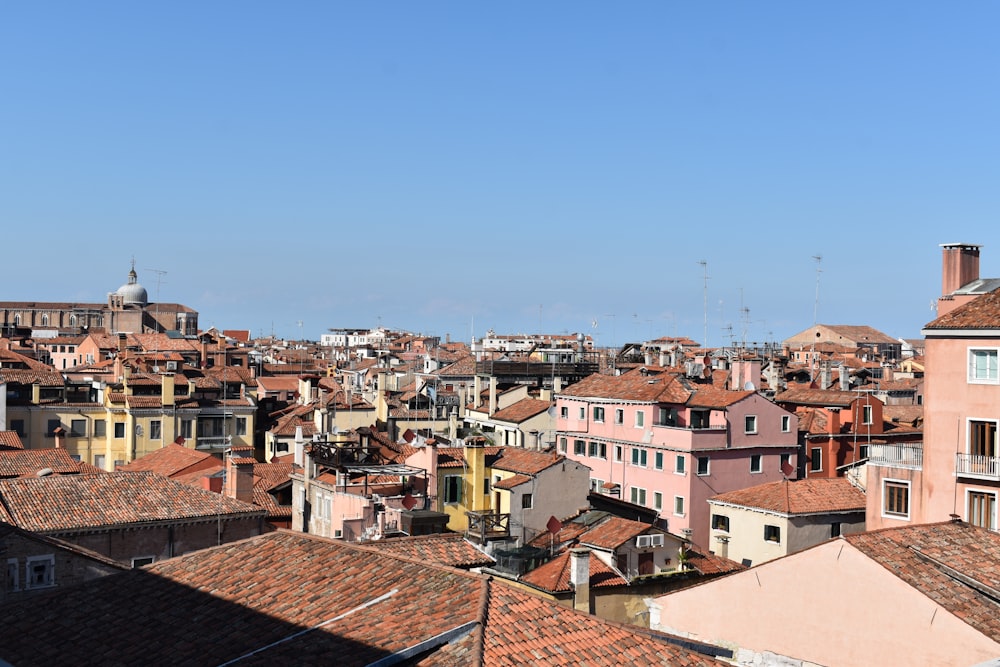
768	521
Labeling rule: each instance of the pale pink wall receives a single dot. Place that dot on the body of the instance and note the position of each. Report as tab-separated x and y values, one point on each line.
951	400
828	605
728	447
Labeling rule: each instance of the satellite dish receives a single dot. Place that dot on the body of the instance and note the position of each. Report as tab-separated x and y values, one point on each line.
138	430
749	386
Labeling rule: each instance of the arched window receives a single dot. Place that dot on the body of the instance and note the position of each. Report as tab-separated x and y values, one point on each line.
17	320
45	320
72	320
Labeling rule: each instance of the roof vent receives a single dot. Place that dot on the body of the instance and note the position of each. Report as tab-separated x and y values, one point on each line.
44	472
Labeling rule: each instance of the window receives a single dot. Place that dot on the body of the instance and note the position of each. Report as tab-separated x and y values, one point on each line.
679	463
155	429
598	450
580	447
640	418
453	488
187	428
982	509
99	461
241	426
119	429
750	424
638	457
638	496
526	501
142	560
756	463
772	534
596	485
703	465
657	500
562	445
982	438
983	366
78	427
564	412
785	462
53	424
679	505
866	415
41	572
17	425
100	428
834	530
583	413
815	459
895	499
786	423
598	414
619	416
720	522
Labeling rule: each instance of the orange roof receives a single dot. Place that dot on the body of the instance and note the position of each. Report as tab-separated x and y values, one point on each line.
554	576
804	496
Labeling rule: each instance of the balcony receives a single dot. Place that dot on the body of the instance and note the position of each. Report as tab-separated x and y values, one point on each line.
908	456
977	466
487	525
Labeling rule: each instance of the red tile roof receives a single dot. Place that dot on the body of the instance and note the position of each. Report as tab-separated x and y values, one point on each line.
450	549
27	462
10	440
983	312
613	533
804	496
289	598
511	482
526	461
81	502
554	576
172	459
524	409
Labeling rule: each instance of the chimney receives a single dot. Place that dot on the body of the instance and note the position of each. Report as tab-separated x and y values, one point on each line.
239	474
300	442
960	266
493	395
167	389
579	578
845	378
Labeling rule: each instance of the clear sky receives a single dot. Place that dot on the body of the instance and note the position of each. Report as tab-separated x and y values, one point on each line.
449	167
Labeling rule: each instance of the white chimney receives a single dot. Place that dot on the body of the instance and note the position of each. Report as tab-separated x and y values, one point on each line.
579	577
300	443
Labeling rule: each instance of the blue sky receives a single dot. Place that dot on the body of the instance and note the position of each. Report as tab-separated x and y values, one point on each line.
449	167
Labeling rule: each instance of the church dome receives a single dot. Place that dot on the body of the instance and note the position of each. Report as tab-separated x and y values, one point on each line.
132	292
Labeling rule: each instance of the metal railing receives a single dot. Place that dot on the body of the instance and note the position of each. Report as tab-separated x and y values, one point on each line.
908	455
978	466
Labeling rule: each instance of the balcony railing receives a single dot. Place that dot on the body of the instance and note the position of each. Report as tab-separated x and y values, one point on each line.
486	525
909	456
979	467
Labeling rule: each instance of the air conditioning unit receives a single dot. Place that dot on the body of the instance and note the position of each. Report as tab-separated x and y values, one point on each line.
171	365
656	540
642	541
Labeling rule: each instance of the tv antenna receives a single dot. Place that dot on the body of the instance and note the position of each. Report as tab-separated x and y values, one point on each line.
704	265
159	279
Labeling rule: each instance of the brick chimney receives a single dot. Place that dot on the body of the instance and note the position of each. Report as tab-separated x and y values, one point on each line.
960	266
239	474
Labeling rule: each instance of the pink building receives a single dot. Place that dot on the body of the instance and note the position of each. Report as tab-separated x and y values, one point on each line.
956	470
669	438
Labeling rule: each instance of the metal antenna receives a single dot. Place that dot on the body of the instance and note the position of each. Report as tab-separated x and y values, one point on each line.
159	278
812	347
704	265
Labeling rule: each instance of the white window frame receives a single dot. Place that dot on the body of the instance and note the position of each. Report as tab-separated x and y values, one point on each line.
619	454
657	500
637	495
885	498
992	524
50	572
786	423
598	414
987	372
619	416
813	459
708	466
679	509
777	529
757	459
639	457
640	418
680	465
750	424
867	414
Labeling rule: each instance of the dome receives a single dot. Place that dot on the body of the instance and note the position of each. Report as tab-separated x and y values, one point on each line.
132	292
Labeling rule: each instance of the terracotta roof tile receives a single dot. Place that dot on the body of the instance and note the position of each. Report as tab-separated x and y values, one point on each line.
524	409
27	462
75	502
804	496
10	440
526	461
511	482
613	533
983	312
554	576
450	549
